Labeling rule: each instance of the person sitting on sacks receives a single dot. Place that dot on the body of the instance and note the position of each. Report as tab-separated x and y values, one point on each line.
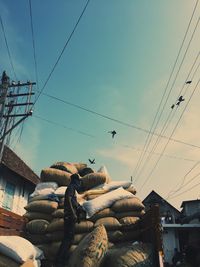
72	214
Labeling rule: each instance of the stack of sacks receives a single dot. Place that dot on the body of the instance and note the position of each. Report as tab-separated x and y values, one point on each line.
15	251
103	201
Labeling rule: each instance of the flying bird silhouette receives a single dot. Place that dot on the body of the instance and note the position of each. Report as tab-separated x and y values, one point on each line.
172	106
113	133
181	99
188	82
92	161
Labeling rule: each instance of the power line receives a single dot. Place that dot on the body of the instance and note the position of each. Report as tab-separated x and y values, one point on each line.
8	50
154	167
147	141
116	120
61	125
169	118
182	185
66	44
126	146
33	43
189	189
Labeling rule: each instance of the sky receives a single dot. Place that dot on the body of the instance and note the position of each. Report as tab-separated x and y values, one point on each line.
117	64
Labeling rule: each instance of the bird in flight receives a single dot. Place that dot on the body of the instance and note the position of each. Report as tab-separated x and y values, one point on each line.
172	106
113	133
92	161
188	82
181	99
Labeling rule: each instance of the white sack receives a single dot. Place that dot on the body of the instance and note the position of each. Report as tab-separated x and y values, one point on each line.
60	191
45	185
19	249
105	201
116	184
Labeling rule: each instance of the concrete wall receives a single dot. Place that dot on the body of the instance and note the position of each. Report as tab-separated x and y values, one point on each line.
170	241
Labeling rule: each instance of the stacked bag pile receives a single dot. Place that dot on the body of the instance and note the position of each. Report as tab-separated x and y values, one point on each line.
111	207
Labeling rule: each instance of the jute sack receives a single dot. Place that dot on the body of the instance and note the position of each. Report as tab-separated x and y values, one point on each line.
62	178
59	235
93	179
37	226
128	220
130	236
114	236
39	197
102	214
31	263
58	225
110	223
79	165
129	204
132	190
85	171
120	215
59	213
7	262
91	249
64	166
37	239
129	256
50	250
37	215
45	206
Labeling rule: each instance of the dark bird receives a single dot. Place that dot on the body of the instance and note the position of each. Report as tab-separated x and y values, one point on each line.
181	99
92	161
172	106
188	82
113	133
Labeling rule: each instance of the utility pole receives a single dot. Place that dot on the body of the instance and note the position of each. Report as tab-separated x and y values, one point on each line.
13	105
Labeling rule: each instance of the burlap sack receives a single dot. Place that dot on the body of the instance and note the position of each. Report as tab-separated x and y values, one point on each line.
79	166
102	214
58	225
128	220
84	227
45	206
59	235
62	178
110	223
7	262
114	236
130	236
39	197
91	249
90	197
37	215
93	179
132	190
129	256
37	226
129	204
85	171
50	250
29	263
37	239
59	213
64	166
120	215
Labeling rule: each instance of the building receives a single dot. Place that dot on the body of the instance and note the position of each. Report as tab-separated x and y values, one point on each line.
169	217
17	181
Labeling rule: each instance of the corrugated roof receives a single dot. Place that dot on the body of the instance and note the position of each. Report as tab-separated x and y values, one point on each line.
17	165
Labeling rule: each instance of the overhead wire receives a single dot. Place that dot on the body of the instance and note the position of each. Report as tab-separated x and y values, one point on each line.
63	50
90	135
64	126
169	118
182	185
189	189
154	167
66	102
148	139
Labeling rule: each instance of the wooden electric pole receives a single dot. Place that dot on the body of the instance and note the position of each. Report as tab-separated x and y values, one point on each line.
13	106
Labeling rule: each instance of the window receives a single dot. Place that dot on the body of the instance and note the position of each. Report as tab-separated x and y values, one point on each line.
8	196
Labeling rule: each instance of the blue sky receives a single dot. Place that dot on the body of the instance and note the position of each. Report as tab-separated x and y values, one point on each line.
117	64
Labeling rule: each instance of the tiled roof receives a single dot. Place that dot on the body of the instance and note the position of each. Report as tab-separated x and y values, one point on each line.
17	165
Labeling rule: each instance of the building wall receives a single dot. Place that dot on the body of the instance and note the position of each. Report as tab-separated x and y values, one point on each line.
191	207
170	241
22	190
